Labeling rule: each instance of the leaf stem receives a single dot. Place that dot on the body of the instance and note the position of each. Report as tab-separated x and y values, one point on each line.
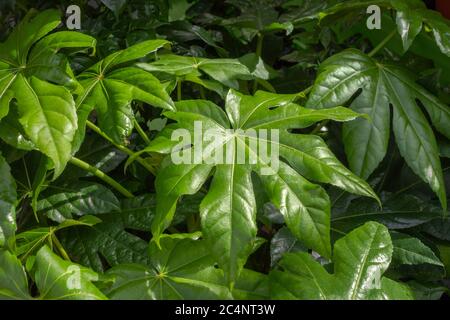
307	90
125	150
101	175
192	223
382	43
259	46
319	127
60	247
202	92
141	132
179	89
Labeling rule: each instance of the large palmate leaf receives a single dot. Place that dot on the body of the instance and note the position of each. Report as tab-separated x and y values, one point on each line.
13	279
342	75
8	199
45	111
58	279
110	87
229	208
360	259
412	16
183	269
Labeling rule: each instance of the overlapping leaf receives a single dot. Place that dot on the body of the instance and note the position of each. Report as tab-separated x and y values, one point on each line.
58	279
412	16
112	239
28	59
342	75
183	269
8	199
13	279
360	259
110	87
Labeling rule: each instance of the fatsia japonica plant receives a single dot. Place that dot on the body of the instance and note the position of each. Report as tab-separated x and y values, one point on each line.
202	149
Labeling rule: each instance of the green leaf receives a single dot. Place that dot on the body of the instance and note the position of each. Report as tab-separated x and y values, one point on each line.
342	75
411	251
304	205
251	285
112	240
413	16
110	89
45	111
12	133
13	279
266	110
225	71
8	200
182	269
48	116
360	259
58	279
397	213
115	5
310	156
229	208
32	28
284	242
45	61
172	182
32	240
177	9
255	16
228	214
409	20
77	200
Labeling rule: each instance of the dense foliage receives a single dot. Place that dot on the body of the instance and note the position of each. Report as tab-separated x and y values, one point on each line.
93	205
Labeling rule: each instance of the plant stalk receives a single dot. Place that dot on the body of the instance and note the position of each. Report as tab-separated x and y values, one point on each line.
202	92
101	175
141	132
319	127
179	89
259	47
60	247
125	150
382	43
